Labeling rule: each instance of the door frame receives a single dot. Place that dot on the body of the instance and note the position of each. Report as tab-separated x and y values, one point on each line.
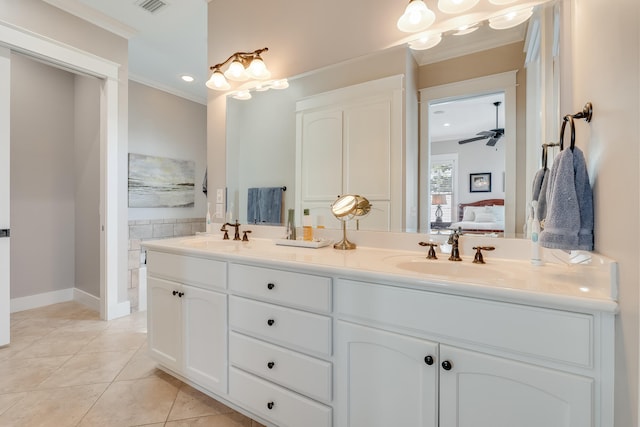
59	54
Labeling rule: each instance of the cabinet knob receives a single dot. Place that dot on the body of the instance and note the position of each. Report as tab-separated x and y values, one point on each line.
271	285
270	405
446	365
270	365
174	293
271	322
428	360
180	294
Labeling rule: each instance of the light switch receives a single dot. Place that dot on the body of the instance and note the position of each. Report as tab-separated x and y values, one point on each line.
220	195
219	210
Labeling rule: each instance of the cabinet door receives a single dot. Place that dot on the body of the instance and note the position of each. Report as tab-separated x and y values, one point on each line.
385	379
486	391
164	322
205	337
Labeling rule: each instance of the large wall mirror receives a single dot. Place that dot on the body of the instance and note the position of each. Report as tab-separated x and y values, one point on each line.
261	132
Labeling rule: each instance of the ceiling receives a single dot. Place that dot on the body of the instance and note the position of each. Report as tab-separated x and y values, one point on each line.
163	45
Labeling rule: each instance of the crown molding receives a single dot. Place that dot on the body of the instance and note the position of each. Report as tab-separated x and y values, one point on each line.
89	14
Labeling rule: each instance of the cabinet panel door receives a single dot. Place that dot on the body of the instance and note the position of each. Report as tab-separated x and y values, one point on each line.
205	337
486	391
383	379
164	318
321	164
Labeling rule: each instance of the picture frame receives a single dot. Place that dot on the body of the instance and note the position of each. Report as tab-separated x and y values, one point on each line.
480	182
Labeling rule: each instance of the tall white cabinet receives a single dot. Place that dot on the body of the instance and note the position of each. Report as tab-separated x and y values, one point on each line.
349	141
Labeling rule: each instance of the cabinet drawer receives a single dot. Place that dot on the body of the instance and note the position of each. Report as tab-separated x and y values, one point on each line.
293	370
283	407
296	289
544	333
286	326
185	269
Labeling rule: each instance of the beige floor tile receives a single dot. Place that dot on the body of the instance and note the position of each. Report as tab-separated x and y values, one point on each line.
17	374
36	327
58	343
17	345
132	403
233	419
115	341
8	400
140	366
88	368
63	408
191	403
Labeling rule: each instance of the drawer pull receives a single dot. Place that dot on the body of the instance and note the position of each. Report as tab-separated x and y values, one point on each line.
271	285
271	322
446	365
270	405
180	294
428	360
270	365
174	293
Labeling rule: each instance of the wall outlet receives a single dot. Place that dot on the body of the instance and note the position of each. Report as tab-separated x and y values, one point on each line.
220	195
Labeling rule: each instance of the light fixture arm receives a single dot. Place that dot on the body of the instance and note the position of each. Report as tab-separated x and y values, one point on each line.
244	57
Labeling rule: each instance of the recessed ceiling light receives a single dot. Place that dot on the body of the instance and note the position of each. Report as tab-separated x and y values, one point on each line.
187	78
446	125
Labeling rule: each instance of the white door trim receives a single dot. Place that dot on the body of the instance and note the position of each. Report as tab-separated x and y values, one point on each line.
69	57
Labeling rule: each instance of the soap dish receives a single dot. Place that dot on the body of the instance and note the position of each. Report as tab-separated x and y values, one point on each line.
304	243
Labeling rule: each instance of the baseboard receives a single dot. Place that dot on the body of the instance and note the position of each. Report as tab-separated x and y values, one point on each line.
85	298
41	300
120	310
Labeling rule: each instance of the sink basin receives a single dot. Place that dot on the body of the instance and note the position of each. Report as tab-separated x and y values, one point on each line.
459	270
208	243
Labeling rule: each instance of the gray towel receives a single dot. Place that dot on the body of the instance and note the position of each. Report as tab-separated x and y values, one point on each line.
569	220
540	183
264	205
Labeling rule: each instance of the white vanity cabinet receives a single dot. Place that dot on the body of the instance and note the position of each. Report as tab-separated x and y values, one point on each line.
187	325
485	364
280	345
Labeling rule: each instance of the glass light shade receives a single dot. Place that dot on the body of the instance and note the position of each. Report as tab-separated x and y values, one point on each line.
466	30
426	42
236	72
502	2
456	6
217	81
417	17
280	84
257	69
242	95
510	19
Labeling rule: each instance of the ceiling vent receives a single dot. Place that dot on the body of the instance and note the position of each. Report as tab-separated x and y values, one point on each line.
151	6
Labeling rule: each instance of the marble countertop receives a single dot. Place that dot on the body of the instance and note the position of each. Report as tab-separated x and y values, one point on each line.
590	286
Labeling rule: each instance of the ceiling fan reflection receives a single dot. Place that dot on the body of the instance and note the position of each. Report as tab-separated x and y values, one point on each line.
494	134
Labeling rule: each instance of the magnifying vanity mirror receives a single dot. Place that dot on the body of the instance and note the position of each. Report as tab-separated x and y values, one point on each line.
263	134
346	208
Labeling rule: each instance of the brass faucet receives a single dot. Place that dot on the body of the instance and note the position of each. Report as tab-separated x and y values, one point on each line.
453	241
236	233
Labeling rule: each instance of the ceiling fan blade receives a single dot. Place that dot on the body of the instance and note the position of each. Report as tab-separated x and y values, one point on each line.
493	141
486	133
477	138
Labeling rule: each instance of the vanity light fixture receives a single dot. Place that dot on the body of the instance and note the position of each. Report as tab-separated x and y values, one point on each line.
502	2
466	29
510	19
243	66
416	17
456	6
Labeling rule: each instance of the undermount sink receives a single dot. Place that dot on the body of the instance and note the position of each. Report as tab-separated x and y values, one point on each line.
453	269
208	243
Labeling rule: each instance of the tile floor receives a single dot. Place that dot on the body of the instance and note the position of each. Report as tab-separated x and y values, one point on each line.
65	367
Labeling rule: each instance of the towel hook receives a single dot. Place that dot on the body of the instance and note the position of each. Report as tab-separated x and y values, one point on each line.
586	113
568	118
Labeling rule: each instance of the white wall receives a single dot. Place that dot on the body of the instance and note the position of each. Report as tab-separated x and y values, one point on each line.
164	125
475	157
42	178
87	184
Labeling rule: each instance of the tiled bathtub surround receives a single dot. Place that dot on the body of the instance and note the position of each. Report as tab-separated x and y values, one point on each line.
145	229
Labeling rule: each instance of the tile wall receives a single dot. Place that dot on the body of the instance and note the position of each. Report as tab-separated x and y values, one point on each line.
140	230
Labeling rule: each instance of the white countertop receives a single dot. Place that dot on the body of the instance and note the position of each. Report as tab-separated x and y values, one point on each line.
589	286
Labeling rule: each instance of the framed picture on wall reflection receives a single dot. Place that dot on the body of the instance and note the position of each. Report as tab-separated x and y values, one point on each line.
480	182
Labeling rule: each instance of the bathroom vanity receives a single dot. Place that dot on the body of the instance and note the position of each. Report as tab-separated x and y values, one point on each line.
381	337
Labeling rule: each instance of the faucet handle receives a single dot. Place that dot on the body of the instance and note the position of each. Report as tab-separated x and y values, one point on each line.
226	232
432	253
478	259
244	235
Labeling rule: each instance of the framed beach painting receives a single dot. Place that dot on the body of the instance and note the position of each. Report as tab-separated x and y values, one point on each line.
480	182
160	182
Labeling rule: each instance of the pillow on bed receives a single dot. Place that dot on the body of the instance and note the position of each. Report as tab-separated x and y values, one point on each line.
498	212
468	214
485	217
